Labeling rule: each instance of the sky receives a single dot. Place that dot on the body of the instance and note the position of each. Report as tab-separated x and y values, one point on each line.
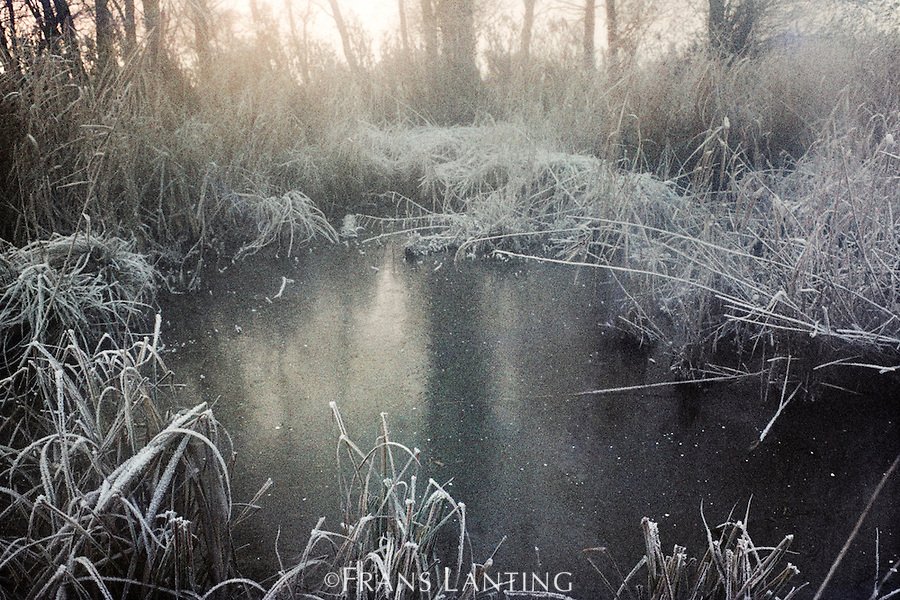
379	18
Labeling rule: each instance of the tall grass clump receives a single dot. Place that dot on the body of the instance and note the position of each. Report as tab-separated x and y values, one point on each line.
732	568
398	531
801	262
83	285
148	155
102	495
655	113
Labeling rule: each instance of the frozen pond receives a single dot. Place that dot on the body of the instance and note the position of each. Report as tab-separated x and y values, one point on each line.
478	364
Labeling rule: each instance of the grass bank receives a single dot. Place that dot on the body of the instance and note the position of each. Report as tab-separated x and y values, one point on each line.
797	263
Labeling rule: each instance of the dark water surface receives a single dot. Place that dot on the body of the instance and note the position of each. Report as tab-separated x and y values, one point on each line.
476	364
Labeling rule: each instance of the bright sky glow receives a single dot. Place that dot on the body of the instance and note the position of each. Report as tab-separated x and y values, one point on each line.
379	18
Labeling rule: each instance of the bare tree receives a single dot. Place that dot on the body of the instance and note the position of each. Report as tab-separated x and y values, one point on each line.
346	42
6	56
104	35
11	15
200	15
527	29
404	28
57	29
590	25
129	26
429	31
456	19
45	19
54	21
258	20
8	41
627	23
612	35
66	24
301	44
153	27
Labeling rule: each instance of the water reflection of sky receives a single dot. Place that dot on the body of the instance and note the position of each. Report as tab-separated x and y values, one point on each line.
476	364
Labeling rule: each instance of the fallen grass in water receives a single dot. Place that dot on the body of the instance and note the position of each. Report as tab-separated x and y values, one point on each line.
488	187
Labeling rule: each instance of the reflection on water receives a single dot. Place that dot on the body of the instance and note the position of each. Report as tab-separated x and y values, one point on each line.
478	364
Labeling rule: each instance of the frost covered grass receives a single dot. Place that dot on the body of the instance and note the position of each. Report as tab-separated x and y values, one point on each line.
800	262
82	285
103	496
489	187
751	204
732	568
398	530
145	157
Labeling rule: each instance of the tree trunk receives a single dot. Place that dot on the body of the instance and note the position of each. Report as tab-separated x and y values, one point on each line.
590	25
429	32
46	19
103	33
66	23
129	26
154	31
12	21
345	35
404	27
305	67
13	31
295	37
612	36
260	27
66	26
527	28
456	19
10	47
200	18
6	57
